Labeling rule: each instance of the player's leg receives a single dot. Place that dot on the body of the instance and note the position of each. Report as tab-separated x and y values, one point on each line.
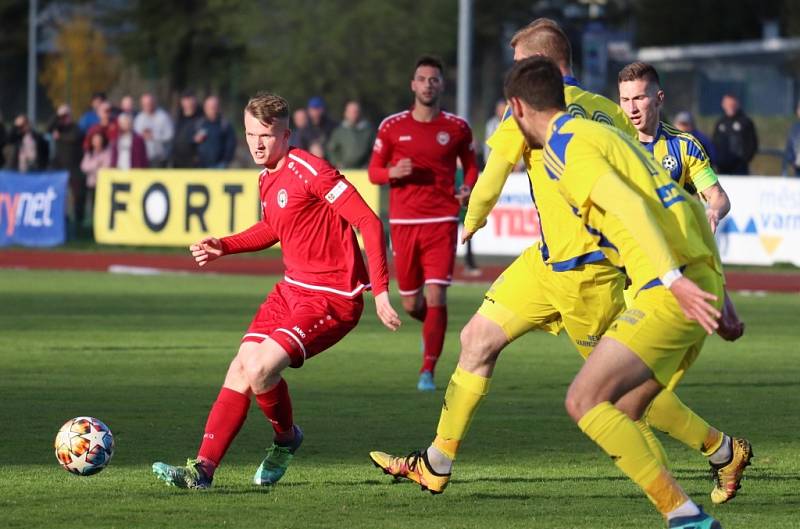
410	279
512	307
224	421
436	254
610	372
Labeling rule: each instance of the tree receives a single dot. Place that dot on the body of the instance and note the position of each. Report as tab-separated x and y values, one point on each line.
81	66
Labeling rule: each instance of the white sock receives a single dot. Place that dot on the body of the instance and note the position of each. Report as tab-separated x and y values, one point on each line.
440	463
685	509
723	454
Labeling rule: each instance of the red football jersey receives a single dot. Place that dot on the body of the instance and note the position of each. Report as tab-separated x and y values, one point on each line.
427	194
309	207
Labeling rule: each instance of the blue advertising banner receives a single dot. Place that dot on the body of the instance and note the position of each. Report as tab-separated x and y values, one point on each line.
32	208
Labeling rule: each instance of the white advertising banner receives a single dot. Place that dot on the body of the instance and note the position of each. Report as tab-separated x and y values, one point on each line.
513	224
763	226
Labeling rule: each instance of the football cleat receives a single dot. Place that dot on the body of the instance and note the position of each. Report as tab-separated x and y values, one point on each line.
426	382
415	467
274	466
189	477
728	477
698	521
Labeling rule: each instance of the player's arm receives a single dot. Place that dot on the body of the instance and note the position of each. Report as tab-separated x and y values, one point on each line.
378	169
486	192
705	180
469	163
257	237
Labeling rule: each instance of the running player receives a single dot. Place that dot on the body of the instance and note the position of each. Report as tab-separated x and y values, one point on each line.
661	236
415	153
679	153
309	207
565	282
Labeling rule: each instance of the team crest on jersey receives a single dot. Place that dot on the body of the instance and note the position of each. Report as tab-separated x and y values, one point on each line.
669	162
283	198
443	138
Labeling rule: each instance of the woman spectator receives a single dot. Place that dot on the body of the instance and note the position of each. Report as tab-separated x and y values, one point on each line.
128	150
97	157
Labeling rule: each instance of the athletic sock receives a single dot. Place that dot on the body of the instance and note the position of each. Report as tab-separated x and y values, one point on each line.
689	508
670	415
723	454
433	330
619	437
440	463
224	421
277	407
653	443
464	393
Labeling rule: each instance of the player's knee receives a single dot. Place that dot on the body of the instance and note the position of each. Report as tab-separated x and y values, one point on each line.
410	305
479	344
577	403
435	295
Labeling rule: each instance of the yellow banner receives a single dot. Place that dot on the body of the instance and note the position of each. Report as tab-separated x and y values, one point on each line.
177	207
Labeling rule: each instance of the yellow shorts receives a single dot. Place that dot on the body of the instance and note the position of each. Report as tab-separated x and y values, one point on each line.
529	295
655	328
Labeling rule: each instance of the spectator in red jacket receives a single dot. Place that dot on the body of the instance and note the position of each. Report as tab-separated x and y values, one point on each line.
128	150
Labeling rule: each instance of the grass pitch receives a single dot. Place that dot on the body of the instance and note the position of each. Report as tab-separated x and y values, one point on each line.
147	355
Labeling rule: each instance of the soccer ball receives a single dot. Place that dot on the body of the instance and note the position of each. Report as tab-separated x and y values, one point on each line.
84	446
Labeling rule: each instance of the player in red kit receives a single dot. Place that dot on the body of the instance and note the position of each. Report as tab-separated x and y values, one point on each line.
309	207
415	153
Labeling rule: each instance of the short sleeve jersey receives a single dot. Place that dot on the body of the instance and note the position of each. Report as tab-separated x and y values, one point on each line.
682	157
428	194
299	203
579	152
566	243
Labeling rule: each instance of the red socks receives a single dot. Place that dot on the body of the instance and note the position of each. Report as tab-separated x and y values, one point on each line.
433	336
277	407
224	422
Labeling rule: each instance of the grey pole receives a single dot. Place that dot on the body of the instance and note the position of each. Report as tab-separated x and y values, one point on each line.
464	57
32	16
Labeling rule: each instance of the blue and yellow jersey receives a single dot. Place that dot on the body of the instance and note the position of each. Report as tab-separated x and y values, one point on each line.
579	152
566	243
682	156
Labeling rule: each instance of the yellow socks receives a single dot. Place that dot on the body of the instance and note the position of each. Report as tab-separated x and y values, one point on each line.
653	443
464	392
619	437
669	414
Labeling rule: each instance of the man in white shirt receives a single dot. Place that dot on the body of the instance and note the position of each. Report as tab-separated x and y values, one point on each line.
155	126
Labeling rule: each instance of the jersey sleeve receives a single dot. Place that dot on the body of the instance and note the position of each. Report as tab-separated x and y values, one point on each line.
507	141
257	237
699	171
466	153
378	170
330	186
487	191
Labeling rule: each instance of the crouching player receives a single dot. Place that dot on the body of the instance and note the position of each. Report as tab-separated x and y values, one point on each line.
662	238
309	207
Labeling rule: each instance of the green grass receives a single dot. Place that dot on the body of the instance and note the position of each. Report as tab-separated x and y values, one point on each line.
147	354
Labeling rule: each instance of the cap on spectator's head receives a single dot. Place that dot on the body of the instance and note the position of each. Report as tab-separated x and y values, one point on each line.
99	95
316	102
684	117
63	110
187	93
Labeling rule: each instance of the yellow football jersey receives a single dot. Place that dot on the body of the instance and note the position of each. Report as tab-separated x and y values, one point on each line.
683	158
579	152
566	243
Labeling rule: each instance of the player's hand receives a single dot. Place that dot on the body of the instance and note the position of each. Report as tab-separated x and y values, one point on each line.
386	313
463	195
402	169
694	303
731	328
713	219
206	250
467	234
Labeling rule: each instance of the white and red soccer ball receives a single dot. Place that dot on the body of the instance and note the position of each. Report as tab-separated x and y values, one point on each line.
84	446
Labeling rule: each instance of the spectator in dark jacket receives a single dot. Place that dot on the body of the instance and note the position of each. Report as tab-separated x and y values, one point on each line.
320	125
128	150
299	125
216	140
350	144
791	154
68	140
734	138
187	123
30	150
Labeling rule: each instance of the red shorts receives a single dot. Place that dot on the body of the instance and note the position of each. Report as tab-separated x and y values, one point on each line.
303	321
423	254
